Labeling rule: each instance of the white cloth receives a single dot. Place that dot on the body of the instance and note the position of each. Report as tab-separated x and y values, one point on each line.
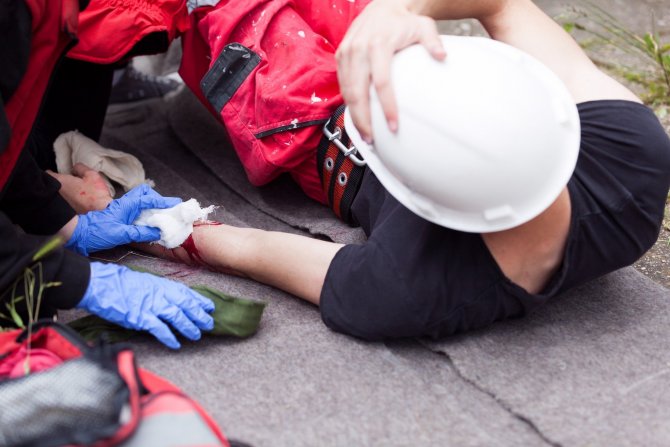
176	224
125	169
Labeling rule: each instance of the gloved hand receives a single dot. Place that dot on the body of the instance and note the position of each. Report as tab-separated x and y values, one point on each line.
143	301
100	230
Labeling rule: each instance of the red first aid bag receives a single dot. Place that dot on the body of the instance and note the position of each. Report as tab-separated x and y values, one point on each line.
56	390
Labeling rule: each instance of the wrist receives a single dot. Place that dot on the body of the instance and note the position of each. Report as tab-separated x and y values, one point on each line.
84	302
66	232
77	241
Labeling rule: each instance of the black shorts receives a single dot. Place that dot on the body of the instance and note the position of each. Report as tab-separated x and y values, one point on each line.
415	278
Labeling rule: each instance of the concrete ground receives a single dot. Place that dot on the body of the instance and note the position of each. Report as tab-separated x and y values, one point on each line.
592	368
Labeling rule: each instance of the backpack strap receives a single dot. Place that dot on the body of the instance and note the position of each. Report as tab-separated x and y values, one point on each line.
340	168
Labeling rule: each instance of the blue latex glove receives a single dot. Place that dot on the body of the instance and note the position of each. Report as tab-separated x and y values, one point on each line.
143	301
100	230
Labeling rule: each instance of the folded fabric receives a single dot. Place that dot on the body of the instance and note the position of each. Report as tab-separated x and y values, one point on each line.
176	223
234	316
125	169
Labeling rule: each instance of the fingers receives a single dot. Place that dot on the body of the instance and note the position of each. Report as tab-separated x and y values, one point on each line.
205	303
80	170
55	175
380	62
365	54
177	319
429	37
354	77
140	233
160	330
155	200
148	198
184	309
67	181
140	198
197	308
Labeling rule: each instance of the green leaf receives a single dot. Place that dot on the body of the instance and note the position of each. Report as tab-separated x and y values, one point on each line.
47	248
569	27
651	43
666	62
18	321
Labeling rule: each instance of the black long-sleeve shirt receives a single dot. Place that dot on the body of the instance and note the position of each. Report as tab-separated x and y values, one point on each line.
30	199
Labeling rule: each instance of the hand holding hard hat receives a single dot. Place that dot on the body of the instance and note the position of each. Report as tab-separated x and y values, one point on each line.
488	138
364	57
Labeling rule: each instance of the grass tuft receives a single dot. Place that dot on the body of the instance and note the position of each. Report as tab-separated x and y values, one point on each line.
649	55
34	286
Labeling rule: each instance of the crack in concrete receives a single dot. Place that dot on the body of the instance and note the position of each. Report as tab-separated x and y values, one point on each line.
523	419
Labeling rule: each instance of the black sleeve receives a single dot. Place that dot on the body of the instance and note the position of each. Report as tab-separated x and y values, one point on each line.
15	35
31	199
16	255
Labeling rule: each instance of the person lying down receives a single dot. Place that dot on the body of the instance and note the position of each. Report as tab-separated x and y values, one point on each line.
579	167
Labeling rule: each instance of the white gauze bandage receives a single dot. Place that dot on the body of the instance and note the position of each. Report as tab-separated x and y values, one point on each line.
176	224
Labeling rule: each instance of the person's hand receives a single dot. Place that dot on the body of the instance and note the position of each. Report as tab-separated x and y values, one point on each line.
146	302
364	57
100	230
85	190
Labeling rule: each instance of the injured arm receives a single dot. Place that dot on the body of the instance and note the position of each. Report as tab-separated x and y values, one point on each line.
289	262
295	264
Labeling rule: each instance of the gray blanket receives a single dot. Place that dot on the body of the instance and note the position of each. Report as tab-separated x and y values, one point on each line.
591	368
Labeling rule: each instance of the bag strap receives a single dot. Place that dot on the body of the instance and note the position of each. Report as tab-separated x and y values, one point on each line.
340	169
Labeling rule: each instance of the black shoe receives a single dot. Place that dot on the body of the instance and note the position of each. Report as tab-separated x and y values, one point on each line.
137	86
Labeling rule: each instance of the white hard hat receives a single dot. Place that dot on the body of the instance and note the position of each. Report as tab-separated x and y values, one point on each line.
487	139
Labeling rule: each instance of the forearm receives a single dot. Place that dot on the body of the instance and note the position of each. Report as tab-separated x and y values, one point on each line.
295	264
292	263
456	9
522	24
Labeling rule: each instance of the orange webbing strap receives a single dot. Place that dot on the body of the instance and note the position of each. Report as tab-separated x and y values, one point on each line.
340	176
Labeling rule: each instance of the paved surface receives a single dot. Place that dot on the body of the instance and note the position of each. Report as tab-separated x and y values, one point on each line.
590	369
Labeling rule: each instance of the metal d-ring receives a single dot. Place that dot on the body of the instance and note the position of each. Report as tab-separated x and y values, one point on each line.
350	152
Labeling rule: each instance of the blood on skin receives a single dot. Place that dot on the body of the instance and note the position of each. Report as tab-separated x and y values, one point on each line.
192	250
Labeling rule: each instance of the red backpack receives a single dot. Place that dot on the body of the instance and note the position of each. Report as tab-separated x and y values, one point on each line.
55	390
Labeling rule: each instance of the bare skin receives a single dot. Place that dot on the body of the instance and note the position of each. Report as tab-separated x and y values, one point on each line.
247	252
529	254
84	191
289	262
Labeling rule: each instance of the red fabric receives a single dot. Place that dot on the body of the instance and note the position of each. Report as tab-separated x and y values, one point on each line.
108	29
127	371
44	338
53	24
38	360
295	82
